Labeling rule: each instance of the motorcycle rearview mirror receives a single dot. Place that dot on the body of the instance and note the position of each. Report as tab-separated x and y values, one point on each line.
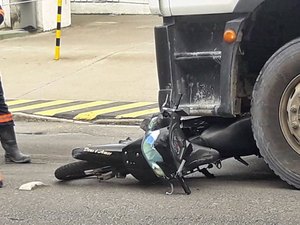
177	103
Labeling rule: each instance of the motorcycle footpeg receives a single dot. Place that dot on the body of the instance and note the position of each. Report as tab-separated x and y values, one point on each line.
106	176
206	173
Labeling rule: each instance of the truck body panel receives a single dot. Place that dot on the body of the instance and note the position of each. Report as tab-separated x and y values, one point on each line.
196	7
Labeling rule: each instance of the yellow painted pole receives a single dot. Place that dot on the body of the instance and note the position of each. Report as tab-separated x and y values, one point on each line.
58	30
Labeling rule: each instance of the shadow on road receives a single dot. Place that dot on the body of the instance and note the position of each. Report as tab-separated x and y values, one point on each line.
233	175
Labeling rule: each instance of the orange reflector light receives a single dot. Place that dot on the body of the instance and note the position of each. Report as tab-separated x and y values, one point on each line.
229	36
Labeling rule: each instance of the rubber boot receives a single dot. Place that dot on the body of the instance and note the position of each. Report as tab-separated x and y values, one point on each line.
9	143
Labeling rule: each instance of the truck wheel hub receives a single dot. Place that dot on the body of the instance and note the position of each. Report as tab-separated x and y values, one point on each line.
289	110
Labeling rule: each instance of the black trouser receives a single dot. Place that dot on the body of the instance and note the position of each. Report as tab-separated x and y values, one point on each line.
1	15
5	116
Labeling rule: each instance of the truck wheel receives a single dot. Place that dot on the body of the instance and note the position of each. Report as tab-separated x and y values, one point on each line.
275	113
75	170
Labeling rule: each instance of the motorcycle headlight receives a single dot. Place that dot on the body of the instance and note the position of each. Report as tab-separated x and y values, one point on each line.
151	154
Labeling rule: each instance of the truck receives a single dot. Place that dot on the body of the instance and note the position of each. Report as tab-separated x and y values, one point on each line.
228	58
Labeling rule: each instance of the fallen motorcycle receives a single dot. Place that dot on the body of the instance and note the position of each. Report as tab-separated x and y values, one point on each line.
172	148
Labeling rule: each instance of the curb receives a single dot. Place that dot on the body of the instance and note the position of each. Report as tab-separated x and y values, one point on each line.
6	34
90	112
34	118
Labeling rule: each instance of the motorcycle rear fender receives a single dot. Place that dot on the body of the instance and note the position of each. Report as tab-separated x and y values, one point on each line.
111	153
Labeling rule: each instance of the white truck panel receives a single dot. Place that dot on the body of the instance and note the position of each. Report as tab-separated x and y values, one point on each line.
154	7
191	7
160	7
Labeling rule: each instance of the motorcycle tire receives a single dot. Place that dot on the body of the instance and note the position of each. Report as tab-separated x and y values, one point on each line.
275	109
75	170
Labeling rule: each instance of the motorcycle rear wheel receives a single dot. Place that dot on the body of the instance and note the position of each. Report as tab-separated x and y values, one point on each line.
75	170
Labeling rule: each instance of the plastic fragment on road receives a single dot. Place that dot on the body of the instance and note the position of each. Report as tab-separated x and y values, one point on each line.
31	185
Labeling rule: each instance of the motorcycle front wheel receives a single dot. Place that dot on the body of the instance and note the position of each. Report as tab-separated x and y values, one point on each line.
75	170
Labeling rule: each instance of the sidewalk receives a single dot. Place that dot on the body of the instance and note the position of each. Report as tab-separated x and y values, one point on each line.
103	58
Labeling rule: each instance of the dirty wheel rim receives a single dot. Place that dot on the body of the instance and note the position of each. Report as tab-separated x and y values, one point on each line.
289	113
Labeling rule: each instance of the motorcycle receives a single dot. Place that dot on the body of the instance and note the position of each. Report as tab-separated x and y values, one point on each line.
173	147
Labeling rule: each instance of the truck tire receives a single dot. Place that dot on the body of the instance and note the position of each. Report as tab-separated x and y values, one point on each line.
275	113
75	170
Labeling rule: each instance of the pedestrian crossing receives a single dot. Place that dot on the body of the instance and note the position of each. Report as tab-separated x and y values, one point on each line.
83	110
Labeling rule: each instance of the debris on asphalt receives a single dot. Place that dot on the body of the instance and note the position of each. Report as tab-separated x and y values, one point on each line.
31	185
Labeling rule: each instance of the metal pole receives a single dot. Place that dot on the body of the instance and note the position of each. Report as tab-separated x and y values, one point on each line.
58	30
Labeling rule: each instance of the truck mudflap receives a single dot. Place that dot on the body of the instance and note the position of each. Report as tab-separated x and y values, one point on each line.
230	104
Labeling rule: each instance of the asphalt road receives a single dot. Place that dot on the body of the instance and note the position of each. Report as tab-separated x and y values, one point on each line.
239	194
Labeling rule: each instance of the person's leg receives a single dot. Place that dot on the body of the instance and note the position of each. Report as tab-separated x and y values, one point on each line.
7	134
9	143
